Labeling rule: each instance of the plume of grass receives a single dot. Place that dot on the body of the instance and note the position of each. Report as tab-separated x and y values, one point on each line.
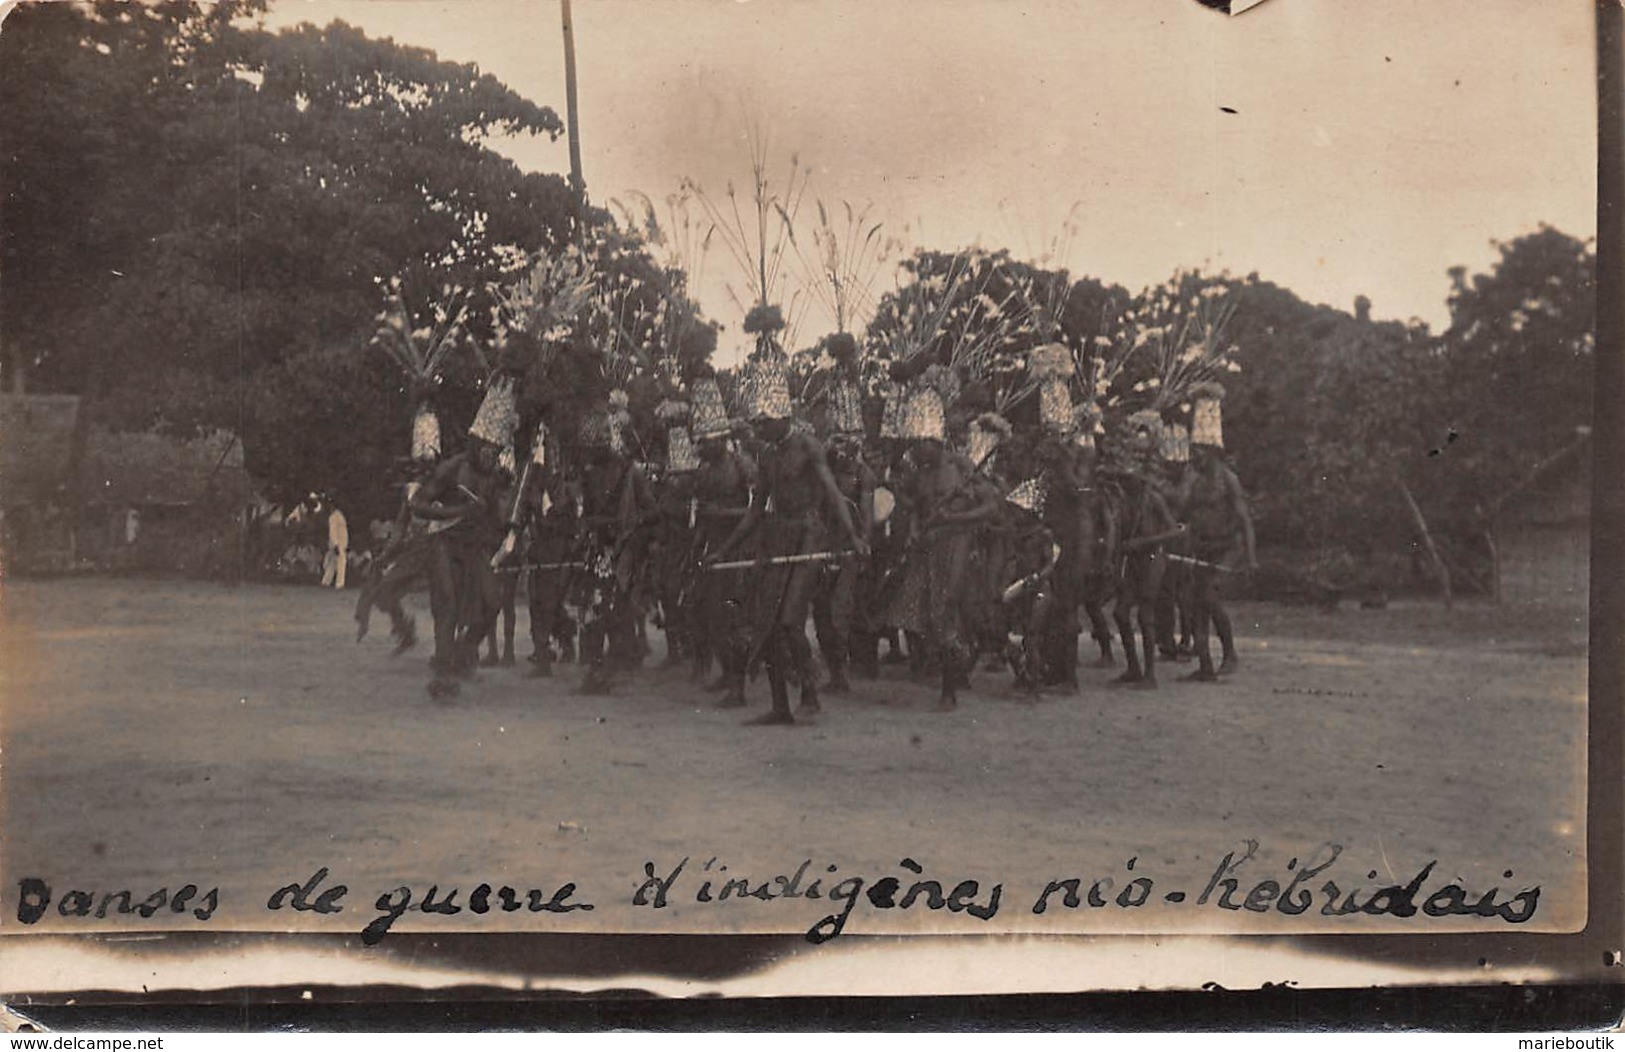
421	351
841	263
757	233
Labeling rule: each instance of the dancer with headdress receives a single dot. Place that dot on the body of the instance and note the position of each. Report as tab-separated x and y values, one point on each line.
541	528
796	496
1221	530
723	486
404	562
950	504
674	555
462	501
1176	603
1064	451
835	608
618	511
1027	598
1145	526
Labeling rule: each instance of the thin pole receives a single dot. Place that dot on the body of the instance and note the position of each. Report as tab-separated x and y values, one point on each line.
577	182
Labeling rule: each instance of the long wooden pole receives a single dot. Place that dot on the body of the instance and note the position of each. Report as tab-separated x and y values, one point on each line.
573	117
1427	539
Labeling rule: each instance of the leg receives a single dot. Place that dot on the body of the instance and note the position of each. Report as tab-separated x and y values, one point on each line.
1123	614
1151	591
1205	672
1166	610
778	658
1100	629
1227	636
543	603
509	589
1148	637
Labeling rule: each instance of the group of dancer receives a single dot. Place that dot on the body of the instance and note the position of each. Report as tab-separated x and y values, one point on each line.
899	512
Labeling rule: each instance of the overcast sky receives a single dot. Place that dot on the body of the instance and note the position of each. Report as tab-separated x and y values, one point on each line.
1373	144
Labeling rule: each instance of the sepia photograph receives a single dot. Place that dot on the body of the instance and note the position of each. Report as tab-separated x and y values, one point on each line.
906	498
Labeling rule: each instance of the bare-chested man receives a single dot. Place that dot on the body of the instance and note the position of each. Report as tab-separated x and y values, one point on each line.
618	514
795	496
835	605
1221	537
460	500
951	504
722	491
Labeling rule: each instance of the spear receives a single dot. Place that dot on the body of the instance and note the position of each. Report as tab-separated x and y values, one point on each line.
778	560
1199	562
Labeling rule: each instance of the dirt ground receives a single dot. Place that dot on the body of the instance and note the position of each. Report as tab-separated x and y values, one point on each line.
159	733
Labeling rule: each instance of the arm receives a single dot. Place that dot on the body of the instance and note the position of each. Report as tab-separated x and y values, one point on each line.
866	501
747	523
814	452
397	532
1238	503
430	500
1158	520
986	504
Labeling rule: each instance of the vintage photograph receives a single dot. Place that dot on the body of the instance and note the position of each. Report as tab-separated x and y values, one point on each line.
803	468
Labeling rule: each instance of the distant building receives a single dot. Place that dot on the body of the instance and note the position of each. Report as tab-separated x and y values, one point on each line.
141	499
37	527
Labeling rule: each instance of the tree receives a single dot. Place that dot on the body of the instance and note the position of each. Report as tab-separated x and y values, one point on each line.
1515	366
201	216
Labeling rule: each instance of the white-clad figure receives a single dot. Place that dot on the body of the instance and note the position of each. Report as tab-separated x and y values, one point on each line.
338	549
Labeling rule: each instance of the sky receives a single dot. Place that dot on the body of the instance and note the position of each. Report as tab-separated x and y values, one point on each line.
1371	146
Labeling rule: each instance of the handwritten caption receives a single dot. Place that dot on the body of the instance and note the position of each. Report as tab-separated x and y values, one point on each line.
1239	883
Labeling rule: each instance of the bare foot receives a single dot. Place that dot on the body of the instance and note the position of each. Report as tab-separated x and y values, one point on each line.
1201	675
406	640
1127	678
1228	665
947	703
776	718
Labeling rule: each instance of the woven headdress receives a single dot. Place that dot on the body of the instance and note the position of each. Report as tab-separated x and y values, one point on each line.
1028	496
1207	418
923	416
498	416
845	408
986	432
891	414
710	416
765	389
1051	367
425	434
1176	444
680	455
